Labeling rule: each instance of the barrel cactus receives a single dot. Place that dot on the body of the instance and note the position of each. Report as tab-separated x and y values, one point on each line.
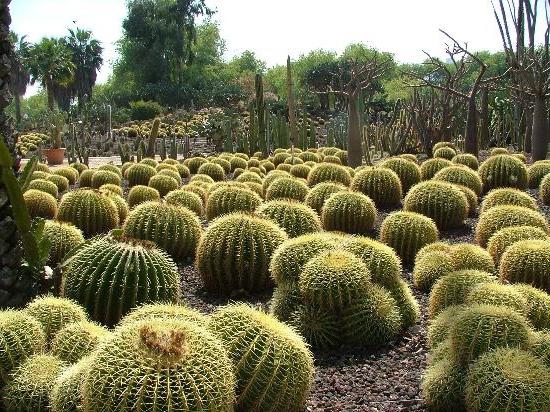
89	210
63	238
481	328
460	175
300	170
287	188
408	172
508	379
527	261
175	229
85	179
328	172
251	337
249	177
441	201
503	171
231	199
317	196
536	172
295	218
77	340
407	304
499	217
444	153
430	267
233	255
40	204
407	233
117	190
495	151
54	313
238	163
185	198
164	184
544	190
507	196
440	326
469	256
163	311
349	212
61	182
140	174
21	336
430	167
149	162
141	194
319	327
174	174
443	386
66	394
162	364
466	159
67	172
538	306
213	170
102	177
382	185
498	295
44	186
194	163
31	383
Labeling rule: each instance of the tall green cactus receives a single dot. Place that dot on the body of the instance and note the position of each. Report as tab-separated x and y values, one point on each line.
260	114
152	138
291	103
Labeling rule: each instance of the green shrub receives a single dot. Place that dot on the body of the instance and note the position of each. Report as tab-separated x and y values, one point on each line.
164	184
443	386
328	172
251	338
481	328
444	153
61	182
85	179
527	261
89	210
317	195
408	172
349	212
498	295
185	198
430	167
407	233
499	217
453	288
536	172
507	196
31	383
145	110
158	364
67	172
40	204
440	326
460	175
429	268
441	201
213	170
140	174
54	313
141	194
287	188
77	340
538	305
466	159
544	190
63	237
503	171
44	186
290	257
175	229
508	380
295	218
21	336
231	199
234	253
382	185
121	272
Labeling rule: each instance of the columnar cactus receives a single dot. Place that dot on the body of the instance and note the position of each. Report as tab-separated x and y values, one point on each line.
382	185
175	229
231	199
503	171
407	233
122	272
172	353
349	212
295	218
141	194
63	238
89	210
408	172
40	204
441	201
233	255
140	174
251	337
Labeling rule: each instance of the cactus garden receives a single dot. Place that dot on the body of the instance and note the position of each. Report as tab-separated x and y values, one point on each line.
338	232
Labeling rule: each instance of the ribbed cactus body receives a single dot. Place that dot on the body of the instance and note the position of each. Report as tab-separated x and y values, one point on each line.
89	210
85	179
237	163
536	172
119	202
273	366
160	365
408	172
141	194
503	171
295	218
63	238
544	190
40	204
61	182
44	186
507	196
441	201
175	229
349	212
77	340
320	328
287	188
67	172
466	159
430	167
194	163
66	394
328	172
538	306
443	386
163	311
440	326
234	253
164	184
185	198
231	199
382	185
407	233
317	195
461	175
213	170
527	261
102	177
444	153
111	276
140	174
430	267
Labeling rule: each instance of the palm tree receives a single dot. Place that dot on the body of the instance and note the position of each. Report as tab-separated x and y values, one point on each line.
50	63
20	76
87	59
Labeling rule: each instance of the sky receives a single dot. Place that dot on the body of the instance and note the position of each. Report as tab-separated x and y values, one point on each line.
275	29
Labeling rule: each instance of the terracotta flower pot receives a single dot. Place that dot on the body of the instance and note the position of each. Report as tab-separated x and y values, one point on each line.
55	156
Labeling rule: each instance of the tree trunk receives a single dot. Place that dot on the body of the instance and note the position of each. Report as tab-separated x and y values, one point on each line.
484	118
528	130
355	157
539	138
17	100
51	99
471	144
